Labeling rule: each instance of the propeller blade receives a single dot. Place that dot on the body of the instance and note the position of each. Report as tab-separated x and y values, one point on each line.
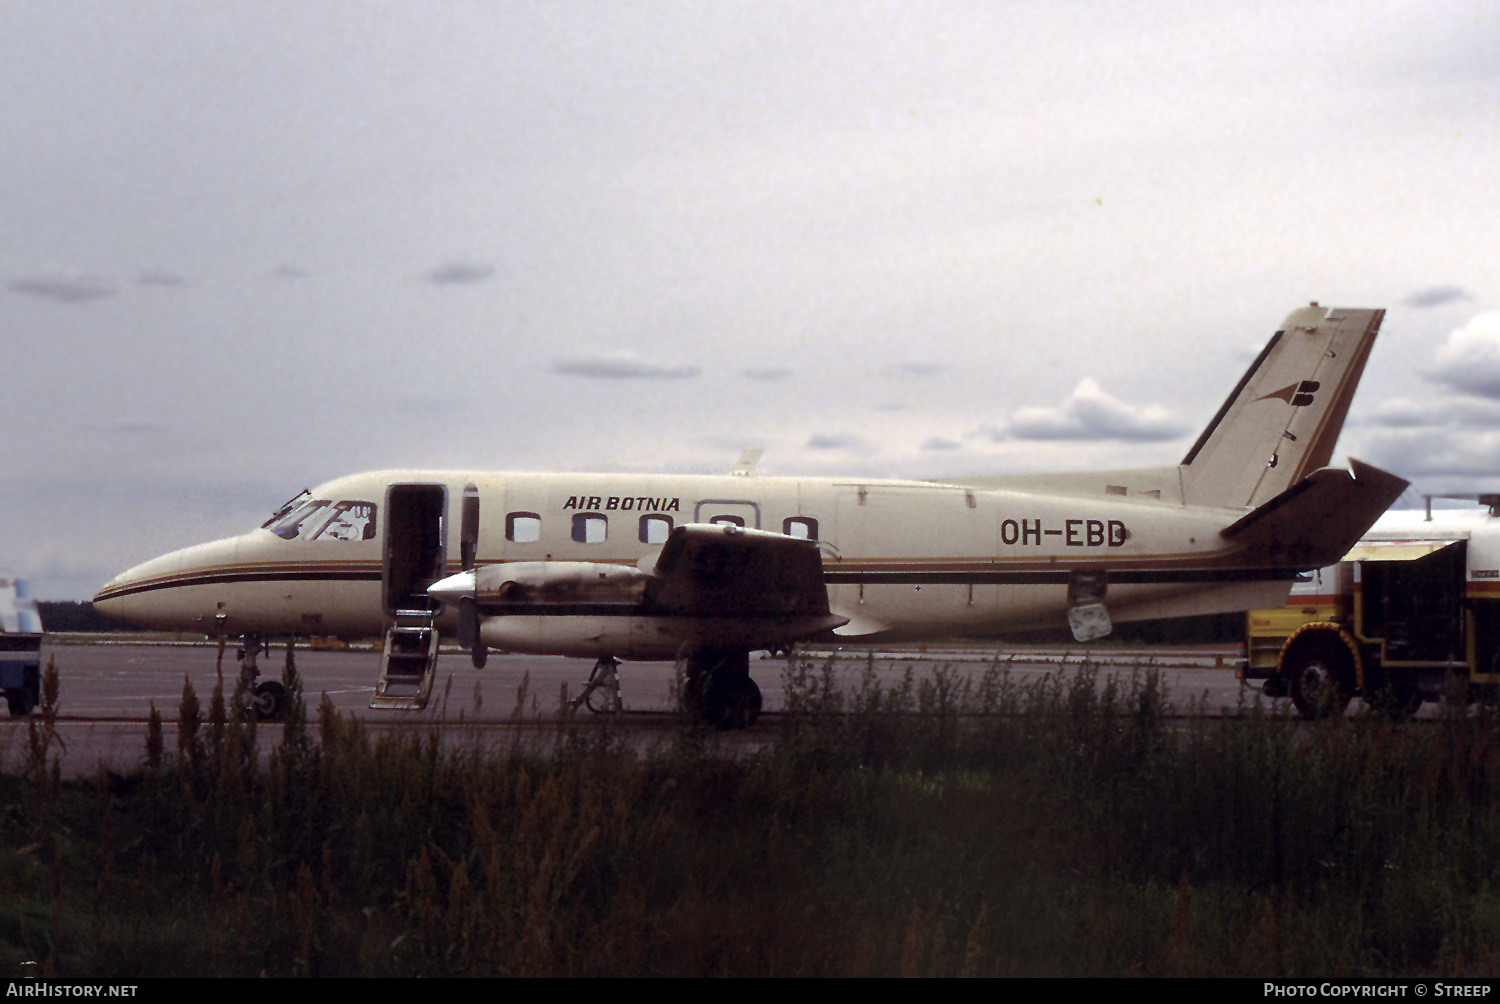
468	623
468	607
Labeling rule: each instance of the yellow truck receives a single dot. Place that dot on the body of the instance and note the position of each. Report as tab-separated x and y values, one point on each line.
1411	614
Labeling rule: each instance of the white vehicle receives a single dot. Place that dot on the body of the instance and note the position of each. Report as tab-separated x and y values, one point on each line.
710	568
20	645
1411	613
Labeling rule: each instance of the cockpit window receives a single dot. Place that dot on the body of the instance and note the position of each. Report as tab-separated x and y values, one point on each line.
348	521
286	507
291	524
322	519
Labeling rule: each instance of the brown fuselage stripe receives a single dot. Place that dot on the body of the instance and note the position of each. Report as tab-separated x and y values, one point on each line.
843	573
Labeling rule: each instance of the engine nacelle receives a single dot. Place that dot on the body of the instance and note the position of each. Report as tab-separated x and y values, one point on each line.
553	582
522	583
593	609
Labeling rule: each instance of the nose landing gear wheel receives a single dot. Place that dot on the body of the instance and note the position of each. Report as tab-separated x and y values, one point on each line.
268	700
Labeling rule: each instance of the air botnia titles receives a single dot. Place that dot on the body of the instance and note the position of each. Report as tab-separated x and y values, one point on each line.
624	503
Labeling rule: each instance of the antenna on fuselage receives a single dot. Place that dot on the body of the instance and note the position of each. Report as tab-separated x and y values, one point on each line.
745	466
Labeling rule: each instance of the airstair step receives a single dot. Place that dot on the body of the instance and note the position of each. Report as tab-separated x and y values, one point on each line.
408	662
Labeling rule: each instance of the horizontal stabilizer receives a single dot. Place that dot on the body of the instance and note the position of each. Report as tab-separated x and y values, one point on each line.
1315	522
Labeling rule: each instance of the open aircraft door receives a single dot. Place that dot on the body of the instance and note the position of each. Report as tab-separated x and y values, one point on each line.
413	557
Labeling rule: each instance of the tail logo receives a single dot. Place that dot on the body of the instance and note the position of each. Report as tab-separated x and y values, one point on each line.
1298	395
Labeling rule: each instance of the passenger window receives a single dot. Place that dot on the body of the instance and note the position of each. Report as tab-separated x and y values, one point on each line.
590	528
655	529
523	527
728	520
802	527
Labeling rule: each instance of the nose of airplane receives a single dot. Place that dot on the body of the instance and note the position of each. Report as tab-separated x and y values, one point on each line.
165	592
122	597
108	601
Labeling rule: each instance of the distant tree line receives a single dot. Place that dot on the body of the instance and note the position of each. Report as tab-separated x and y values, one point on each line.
72	615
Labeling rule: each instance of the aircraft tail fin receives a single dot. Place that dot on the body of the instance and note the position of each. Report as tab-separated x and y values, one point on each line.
1282	420
1316	521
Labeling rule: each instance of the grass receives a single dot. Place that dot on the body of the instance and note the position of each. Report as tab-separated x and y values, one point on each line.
947	825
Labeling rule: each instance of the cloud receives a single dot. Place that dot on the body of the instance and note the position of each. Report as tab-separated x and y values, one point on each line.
63	287
1091	414
128	428
1435	296
1431	453
939	443
1401	413
158	277
769	373
620	366
458	272
289	272
429	405
1441	436
1470	359
1441	412
834	441
916	370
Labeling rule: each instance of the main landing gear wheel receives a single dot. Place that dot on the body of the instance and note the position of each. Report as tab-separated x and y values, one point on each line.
731	701
719	689
268	700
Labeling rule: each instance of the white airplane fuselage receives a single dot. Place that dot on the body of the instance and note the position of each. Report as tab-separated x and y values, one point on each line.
904	560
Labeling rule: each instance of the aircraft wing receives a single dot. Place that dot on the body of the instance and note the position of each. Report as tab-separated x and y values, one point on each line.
1316	521
717	570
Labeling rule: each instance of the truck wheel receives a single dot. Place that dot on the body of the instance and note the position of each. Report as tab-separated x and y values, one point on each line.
19	702
1322	679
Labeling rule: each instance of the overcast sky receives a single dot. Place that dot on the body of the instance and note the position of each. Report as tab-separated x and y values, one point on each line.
246	248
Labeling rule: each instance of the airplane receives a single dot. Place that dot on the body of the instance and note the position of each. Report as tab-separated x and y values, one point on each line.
709	568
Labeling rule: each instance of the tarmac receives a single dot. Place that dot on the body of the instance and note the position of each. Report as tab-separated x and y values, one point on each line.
109	684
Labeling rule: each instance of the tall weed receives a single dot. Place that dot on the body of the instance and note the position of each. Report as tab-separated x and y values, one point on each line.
966	822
